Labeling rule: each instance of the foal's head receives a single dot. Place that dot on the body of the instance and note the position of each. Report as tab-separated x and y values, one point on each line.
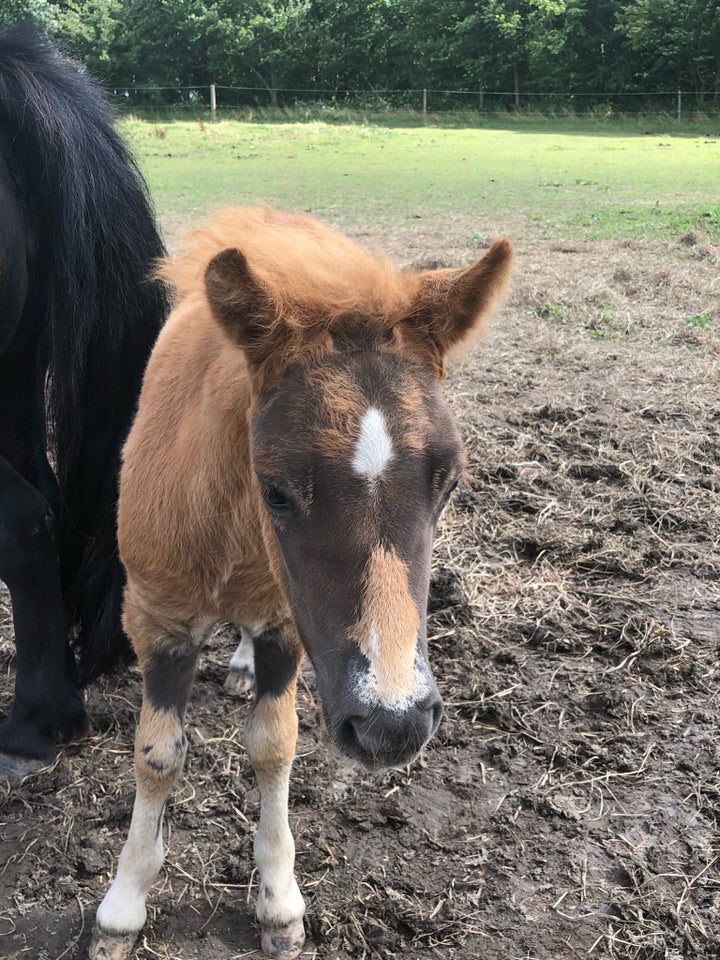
356	454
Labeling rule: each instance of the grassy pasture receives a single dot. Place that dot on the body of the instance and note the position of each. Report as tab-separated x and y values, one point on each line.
570	180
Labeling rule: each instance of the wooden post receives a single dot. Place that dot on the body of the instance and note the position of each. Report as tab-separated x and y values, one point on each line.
516	85
481	97
213	104
424	102
679	107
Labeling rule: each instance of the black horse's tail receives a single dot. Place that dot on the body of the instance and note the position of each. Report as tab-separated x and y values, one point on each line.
97	241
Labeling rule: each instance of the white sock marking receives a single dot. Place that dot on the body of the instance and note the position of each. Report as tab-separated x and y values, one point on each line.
123	908
373	449
243	660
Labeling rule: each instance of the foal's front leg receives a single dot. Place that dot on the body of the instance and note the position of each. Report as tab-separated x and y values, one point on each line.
270	738
168	668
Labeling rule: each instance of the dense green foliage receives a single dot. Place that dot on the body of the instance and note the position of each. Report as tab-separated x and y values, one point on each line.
392	45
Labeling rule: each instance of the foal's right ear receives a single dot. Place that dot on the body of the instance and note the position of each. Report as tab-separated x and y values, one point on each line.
241	304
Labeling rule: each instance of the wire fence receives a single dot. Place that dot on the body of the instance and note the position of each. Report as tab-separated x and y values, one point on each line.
214	98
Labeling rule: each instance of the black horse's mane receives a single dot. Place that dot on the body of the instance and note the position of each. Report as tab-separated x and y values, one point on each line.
92	241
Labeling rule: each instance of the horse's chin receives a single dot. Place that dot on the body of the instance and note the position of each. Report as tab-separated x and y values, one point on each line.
381	766
377	765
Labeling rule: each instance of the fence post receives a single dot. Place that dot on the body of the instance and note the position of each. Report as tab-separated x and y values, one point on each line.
679	107
424	102
213	104
481	98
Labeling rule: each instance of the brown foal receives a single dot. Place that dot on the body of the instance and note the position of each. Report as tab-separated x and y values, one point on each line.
291	455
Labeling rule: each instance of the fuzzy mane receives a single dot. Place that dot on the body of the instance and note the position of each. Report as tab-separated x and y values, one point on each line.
312	272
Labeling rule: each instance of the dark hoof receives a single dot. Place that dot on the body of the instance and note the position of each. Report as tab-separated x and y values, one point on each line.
81	731
13	770
111	946
28	743
283	943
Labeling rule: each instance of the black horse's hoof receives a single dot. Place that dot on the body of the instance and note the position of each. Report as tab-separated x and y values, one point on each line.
13	770
80	730
25	749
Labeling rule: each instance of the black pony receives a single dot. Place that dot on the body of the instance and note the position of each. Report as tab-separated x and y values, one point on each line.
78	318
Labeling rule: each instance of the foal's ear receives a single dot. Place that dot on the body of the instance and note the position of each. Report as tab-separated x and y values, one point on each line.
451	304
240	303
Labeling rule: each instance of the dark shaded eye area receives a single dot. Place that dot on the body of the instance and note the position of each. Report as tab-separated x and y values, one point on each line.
276	499
452	486
446	487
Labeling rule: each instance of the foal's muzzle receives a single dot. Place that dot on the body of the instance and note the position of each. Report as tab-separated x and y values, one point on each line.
379	737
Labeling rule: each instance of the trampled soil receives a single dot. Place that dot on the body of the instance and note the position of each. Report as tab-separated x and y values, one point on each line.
569	805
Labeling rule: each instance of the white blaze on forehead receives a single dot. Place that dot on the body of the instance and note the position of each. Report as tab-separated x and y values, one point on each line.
373	448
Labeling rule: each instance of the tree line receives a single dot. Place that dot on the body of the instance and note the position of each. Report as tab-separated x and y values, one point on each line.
543	46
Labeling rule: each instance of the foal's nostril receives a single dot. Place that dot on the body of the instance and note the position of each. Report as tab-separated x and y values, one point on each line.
437	712
347	735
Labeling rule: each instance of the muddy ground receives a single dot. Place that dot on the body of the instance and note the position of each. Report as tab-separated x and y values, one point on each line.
569	805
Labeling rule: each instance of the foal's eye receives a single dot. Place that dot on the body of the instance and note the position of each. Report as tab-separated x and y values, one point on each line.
275	499
452	487
447	492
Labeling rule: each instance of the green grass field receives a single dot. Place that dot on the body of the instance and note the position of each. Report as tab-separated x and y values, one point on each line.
568	180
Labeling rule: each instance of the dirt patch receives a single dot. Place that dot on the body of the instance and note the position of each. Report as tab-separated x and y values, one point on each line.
569	805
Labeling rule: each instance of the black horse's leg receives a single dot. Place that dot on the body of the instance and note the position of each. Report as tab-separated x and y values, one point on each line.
47	706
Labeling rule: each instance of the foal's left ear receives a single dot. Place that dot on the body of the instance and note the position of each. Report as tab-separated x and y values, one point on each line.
451	304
